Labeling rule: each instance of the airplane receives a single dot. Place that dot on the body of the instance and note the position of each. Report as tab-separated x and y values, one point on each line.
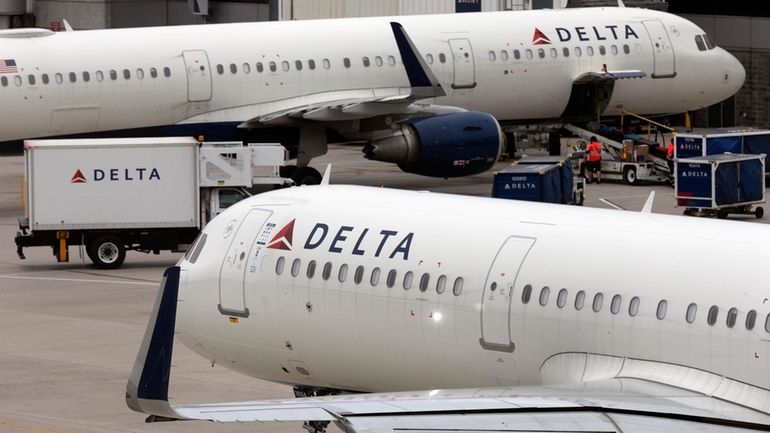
425	92
395	310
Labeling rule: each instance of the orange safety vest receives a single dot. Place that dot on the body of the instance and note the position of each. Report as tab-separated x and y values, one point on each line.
594	151
670	151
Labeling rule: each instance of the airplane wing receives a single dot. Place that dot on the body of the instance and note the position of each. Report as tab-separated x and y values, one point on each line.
611	75
616	404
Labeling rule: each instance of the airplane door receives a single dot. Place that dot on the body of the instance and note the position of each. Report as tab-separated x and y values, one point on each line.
498	292
232	296
464	65
662	50
198	75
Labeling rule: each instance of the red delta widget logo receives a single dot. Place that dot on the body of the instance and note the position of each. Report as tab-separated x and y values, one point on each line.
117	174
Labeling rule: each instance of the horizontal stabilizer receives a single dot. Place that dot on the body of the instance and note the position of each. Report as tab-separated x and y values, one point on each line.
421	78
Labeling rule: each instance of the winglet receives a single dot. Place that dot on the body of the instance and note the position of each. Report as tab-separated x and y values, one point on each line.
422	80
621	4
648	204
147	387
327	175
67	26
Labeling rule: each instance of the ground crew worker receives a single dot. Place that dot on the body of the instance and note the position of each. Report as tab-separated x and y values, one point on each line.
670	160
594	161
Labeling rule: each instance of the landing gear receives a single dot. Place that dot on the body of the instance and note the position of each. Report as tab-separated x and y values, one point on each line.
315	426
304	392
301	175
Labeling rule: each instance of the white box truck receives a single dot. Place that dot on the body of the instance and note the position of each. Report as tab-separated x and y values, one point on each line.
144	194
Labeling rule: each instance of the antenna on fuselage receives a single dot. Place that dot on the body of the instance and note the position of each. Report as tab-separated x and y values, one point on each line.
621	4
327	175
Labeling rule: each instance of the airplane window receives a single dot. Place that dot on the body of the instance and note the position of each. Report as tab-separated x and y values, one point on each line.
633	307
565	51
220	69
544	294
310	269
99	76
285	66
713	315
580	300
166	72
767	323
272	66
359	275
17	80
408	280
662	308
541	53
429	58
391	61
561	299
73	77
126	74
279	265
153	73
526	294
327	64
4	81
590	51
31	79
529	54
751	319
457	288
378	61
554	53
391	281
503	55
246	68
260	68
578	52
367	62
86	76
602	50
424	280
516	54
45	78
311	64
598	301
140	73
692	311
196	252
626	49
298	65
295	265
732	317
346	62
614	50
58	78
113	74
327	271
491	56
709	42
615	305
374	279
442	57
233	68
441	284
342	275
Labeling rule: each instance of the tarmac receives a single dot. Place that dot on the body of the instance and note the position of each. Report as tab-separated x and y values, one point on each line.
70	333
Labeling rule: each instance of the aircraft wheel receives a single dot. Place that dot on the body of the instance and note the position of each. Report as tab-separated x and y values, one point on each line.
107	252
306	176
629	175
759	212
287	171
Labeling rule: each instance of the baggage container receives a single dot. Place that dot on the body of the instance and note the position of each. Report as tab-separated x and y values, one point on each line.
715	141
529	182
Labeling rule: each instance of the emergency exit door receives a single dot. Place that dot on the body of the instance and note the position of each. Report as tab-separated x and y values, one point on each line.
663	51
232	291
198	75
464	65
499	288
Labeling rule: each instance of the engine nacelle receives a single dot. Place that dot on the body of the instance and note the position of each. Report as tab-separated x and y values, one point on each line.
450	145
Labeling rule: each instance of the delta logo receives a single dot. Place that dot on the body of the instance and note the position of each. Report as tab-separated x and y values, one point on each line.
539	38
78	177
117	174
613	32
284	238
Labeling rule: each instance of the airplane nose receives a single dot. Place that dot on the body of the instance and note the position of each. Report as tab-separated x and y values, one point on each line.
736	72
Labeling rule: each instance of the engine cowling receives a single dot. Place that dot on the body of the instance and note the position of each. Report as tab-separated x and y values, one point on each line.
450	145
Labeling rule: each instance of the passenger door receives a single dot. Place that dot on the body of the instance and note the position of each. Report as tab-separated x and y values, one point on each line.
663	51
498	292
464	65
198	75
232	291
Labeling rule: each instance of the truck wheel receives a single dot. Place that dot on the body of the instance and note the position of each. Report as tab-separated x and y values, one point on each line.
722	214
107	252
629	175
306	176
759	212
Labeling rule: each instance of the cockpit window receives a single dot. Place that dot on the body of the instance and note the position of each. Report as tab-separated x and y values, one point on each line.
195	250
700	43
710	44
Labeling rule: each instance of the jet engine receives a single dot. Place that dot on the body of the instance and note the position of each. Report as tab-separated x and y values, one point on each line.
449	145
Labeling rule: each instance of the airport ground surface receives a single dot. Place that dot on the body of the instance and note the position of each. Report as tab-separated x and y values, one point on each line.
69	333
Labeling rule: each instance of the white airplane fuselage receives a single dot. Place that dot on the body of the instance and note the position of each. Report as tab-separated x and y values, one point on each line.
219	76
629	283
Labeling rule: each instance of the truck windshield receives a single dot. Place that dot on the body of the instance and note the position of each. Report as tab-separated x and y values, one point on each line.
228	197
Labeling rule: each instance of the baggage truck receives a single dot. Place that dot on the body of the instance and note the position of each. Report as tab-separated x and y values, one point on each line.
109	196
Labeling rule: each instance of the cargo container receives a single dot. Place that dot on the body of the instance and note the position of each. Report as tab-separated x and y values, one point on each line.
714	141
572	185
529	182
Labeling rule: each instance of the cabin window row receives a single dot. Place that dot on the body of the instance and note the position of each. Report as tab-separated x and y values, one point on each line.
85	76
633	307
373	277
299	65
541	53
